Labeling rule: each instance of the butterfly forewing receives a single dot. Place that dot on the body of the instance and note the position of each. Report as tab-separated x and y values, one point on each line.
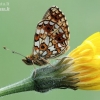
52	34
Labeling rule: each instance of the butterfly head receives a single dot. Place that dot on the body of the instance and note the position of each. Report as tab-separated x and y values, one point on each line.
28	61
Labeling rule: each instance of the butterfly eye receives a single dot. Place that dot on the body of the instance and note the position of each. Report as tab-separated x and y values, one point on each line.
27	61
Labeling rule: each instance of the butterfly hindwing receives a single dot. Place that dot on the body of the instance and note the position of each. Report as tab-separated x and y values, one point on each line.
52	34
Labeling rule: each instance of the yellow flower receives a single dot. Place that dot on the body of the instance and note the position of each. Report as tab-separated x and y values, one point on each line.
87	63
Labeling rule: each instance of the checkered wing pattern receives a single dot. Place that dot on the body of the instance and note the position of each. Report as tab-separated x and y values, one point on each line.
52	34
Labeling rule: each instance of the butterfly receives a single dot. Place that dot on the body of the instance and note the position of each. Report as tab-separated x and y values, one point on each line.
51	38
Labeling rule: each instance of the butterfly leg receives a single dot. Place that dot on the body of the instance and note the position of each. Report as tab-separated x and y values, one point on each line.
46	61
57	58
61	58
34	69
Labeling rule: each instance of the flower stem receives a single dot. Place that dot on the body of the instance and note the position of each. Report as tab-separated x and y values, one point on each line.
21	86
46	78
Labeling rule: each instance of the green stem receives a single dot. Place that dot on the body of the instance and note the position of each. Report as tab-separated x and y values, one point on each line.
45	79
21	86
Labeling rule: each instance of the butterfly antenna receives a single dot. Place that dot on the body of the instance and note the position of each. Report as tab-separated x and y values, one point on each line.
14	52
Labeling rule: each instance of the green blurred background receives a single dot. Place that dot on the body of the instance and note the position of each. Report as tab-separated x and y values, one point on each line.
17	28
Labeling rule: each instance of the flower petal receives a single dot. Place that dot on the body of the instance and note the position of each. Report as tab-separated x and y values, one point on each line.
87	63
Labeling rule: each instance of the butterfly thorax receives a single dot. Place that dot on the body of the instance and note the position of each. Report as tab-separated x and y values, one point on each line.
34	59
